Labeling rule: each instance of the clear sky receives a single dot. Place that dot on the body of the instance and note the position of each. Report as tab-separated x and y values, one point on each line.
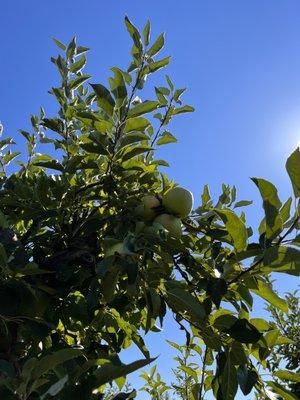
240	61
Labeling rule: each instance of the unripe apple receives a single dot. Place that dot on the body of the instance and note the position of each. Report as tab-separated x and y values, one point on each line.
178	201
171	223
117	248
149	203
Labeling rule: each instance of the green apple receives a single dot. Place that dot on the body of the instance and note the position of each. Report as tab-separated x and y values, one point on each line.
178	201
119	248
115	248
171	223
147	209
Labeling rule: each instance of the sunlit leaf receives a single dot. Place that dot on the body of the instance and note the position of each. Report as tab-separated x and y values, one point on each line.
166	138
157	45
235	227
146	33
265	291
104	98
293	169
143	108
271	204
109	371
75	83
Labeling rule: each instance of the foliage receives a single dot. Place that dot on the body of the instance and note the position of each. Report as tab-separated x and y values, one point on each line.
189	377
155	386
67	309
287	354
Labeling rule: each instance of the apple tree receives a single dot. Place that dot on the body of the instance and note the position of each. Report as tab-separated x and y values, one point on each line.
97	244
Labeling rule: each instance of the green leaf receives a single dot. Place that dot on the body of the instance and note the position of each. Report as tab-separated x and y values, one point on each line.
287	375
82	49
75	83
134	33
92	120
284	340
9	156
260	324
216	289
195	390
224	321
282	259
143	108
170	83
286	209
229	383
279	389
139	342
244	332
136	124
59	44
271	204
105	99
160	162
175	345
265	291
56	387
166	138
110	371
49	362
135	151
93	149
242	203
55	124
133	137
235	227
238	354
3	220
157	45
124	396
109	283
293	169
162	100
270	337
205	197
155	66
118	86
178	93
79	64
71	49
183	109
50	164
183	301
247	378
146	33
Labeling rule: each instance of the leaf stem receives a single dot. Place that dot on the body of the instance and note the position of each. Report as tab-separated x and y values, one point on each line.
203	373
162	122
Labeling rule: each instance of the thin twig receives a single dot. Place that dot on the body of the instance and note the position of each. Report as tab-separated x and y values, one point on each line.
162	123
246	271
203	373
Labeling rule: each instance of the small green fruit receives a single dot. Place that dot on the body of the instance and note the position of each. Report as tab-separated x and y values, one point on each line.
178	201
149	204
171	223
119	248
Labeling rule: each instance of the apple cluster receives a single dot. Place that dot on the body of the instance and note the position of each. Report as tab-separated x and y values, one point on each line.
168	211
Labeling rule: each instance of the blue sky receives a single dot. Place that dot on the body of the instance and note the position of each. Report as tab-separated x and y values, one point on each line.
240	61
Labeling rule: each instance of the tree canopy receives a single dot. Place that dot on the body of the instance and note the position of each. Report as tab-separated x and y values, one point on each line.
96	245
